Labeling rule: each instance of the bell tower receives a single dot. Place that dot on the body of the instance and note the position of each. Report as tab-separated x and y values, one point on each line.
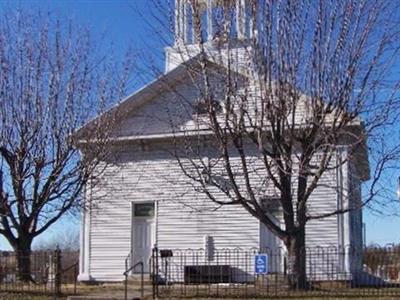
208	23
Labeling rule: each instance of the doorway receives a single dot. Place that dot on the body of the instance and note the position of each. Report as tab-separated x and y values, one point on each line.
142	233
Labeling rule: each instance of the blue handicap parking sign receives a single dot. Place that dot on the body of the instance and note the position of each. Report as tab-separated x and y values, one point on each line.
261	264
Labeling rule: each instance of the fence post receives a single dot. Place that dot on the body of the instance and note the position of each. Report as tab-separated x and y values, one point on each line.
57	272
153	274
142	280
126	280
75	277
154	278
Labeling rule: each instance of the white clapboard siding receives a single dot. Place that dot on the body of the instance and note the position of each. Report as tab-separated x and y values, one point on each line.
184	217
171	110
240	57
155	176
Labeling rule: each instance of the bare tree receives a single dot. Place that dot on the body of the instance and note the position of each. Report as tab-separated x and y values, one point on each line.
284	89
66	239
53	79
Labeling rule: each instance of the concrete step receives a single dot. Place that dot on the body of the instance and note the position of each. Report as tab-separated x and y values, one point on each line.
136	278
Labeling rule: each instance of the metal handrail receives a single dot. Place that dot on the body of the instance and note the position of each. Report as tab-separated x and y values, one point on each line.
69	268
126	273
57	275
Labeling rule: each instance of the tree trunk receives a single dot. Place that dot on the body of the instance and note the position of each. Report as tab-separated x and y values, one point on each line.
297	260
23	261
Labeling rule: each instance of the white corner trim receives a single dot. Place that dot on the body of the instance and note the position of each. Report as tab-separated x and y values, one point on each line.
84	249
84	277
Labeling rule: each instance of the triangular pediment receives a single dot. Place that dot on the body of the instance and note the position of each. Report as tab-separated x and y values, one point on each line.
165	106
171	110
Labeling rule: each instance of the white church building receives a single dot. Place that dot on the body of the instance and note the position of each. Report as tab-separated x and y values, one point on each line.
144	200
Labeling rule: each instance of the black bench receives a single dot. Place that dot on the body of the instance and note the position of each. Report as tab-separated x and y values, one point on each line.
207	274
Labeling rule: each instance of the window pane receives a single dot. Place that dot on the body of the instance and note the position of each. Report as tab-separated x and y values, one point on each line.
144	210
271	204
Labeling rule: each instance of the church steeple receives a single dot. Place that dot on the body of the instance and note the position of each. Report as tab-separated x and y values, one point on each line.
199	21
210	23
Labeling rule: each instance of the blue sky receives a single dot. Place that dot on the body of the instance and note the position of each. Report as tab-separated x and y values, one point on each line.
120	23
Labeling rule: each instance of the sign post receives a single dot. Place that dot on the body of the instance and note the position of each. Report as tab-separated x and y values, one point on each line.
261	264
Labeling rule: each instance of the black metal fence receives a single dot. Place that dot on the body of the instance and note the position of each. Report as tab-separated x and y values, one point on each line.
44	272
331	271
184	273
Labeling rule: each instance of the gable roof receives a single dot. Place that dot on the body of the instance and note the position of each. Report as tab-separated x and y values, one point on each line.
180	74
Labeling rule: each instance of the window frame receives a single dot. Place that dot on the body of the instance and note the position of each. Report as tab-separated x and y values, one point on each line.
274	207
136	204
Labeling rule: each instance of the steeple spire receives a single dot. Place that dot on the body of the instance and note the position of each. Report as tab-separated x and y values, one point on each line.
205	20
212	24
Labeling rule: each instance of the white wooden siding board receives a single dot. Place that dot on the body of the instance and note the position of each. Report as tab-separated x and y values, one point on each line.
178	226
113	220
323	232
170	111
144	176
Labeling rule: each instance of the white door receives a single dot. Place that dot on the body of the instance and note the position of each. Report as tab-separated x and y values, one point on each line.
142	234
272	245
